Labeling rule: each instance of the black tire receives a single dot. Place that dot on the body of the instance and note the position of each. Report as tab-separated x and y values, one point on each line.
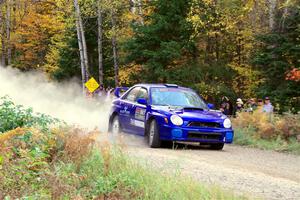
153	135
217	146
115	121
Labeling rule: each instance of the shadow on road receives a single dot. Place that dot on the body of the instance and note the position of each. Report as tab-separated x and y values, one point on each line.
139	141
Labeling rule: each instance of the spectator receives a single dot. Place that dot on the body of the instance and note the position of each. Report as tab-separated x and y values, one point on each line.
226	106
239	105
260	104
109	92
268	108
89	95
101	92
251	105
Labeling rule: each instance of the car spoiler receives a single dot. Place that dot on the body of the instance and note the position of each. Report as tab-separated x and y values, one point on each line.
120	90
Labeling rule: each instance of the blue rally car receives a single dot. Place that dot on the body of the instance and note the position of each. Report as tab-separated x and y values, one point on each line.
167	112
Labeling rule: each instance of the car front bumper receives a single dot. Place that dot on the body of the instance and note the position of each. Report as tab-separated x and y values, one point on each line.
202	135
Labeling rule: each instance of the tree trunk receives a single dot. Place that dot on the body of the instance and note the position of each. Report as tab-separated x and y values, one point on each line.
217	47
114	46
2	35
8	22
208	50
140	12
84	47
100	38
272	7
132	6
138	4
79	37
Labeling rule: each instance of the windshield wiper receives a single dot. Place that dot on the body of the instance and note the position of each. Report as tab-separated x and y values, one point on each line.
163	105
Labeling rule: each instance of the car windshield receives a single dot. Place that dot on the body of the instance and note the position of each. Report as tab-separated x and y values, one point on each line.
176	97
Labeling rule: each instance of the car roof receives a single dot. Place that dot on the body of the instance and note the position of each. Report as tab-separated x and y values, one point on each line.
156	85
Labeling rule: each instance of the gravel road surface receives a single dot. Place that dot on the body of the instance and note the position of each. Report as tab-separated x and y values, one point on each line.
257	173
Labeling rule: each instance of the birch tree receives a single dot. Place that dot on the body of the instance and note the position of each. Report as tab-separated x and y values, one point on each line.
84	46
137	4
272	7
81	44
140	11
132	6
114	46
100	39
2	35
8	27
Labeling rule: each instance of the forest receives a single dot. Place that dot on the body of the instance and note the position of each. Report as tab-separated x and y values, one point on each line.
233	48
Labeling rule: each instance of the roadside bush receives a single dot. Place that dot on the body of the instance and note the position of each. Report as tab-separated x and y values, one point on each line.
13	116
41	165
278	132
28	156
69	163
269	126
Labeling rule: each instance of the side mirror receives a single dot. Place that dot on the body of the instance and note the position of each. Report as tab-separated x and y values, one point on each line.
210	106
142	101
119	90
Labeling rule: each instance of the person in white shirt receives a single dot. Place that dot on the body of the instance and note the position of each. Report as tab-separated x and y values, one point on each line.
267	108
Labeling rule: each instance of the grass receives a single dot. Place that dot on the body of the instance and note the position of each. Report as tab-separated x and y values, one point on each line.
125	179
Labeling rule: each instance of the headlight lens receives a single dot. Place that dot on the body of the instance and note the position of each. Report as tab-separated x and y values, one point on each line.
176	120
227	123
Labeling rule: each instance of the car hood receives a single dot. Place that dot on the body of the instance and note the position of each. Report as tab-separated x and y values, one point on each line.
187	114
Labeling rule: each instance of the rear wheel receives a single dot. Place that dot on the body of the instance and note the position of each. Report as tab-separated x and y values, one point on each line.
153	135
218	146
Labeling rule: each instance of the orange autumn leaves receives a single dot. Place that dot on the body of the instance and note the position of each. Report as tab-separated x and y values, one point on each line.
34	33
293	75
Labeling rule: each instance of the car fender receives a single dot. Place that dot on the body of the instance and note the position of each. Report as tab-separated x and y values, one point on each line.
159	117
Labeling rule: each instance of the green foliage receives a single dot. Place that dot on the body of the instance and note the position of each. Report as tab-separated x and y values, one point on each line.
182	41
13	116
211	81
67	65
209	52
280	52
165	38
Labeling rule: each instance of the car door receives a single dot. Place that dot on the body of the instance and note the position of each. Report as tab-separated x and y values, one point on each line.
138	113
126	104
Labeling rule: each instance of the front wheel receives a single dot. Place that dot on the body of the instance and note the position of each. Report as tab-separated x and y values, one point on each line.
153	134
115	125
218	146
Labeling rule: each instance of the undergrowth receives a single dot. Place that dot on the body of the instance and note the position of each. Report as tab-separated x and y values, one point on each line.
67	164
39	161
13	116
273	132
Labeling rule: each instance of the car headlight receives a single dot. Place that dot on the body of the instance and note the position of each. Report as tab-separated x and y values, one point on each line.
227	123
176	120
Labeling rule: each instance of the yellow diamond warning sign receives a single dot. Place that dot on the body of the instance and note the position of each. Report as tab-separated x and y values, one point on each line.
91	85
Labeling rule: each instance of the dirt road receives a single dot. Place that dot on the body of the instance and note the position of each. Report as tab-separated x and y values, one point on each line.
257	173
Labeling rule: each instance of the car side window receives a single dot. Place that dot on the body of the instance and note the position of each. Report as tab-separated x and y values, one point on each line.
143	94
132	95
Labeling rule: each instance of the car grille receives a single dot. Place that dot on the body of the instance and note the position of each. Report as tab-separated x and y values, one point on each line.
205	124
204	136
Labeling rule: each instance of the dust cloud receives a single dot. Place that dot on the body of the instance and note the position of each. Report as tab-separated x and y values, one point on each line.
61	100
